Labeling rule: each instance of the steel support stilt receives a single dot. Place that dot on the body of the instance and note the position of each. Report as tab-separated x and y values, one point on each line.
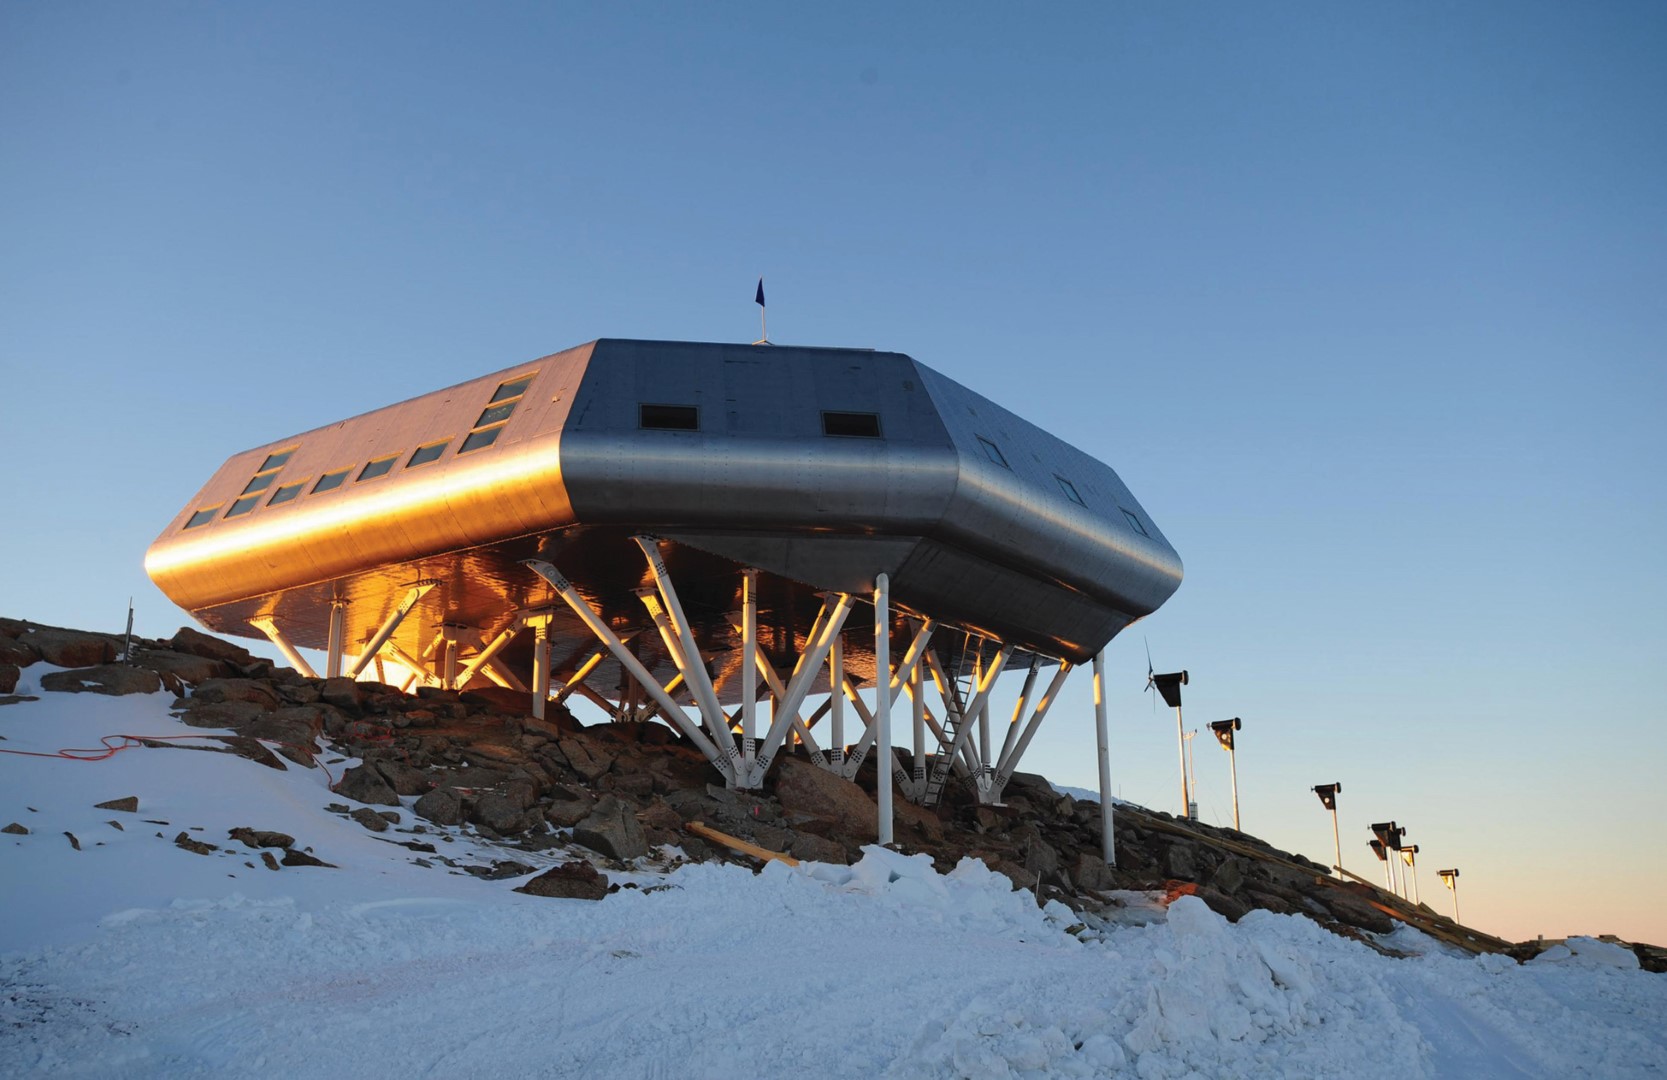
749	668
836	702
336	641
1010	764
483	658
882	702
580	673
266	625
1108	831
541	666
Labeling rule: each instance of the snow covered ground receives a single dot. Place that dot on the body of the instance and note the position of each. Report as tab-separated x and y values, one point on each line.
134	957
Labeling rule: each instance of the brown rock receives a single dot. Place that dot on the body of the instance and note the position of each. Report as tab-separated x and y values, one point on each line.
404	779
222	714
612	829
129	804
15	829
1228	907
365	784
182	666
255	691
1090	871
260	838
816	848
572	881
196	643
293	857
343	693
370	819
585	758
71	648
500	813
565	814
9	675
196	847
803	788
115	680
270	860
441	806
17	653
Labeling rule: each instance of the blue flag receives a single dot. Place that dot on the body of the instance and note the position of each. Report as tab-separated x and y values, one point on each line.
759	299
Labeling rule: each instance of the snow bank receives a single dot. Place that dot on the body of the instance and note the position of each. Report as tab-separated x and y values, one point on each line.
133	958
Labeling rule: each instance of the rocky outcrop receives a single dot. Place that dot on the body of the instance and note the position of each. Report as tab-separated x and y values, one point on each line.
112	679
573	881
612	829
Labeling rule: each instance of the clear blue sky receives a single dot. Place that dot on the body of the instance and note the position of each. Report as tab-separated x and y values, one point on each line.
1367	305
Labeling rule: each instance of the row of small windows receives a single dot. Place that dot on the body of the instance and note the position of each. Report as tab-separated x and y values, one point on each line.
483	433
847	425
993	452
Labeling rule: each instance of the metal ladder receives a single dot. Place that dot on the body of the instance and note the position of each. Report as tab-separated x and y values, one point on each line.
962	687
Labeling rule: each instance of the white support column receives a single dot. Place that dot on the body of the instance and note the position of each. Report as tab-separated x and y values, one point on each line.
266	625
799	727
632	665
749	668
882	702
448	673
917	699
691	667
983	726
836	702
418	590
1108	832
337	639
541	665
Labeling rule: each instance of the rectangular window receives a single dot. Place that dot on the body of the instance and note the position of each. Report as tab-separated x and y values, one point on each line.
496	414
379	467
513	389
286	493
276	461
669	417
993	452
260	483
1069	489
1135	522
479	439
243	506
853	425
422	455
330	481
202	517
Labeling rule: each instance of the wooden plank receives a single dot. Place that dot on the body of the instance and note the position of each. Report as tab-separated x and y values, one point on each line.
735	843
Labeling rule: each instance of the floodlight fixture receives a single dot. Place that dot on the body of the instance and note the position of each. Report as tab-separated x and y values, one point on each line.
1169	686
1409	855
1450	878
1224	735
1328	799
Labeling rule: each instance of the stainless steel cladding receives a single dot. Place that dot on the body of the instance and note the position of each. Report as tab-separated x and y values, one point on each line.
822	467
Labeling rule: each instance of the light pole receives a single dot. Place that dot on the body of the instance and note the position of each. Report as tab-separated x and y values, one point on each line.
1192	777
1224	735
1393	843
1170	687
1328	799
1409	855
1386	838
1383	855
1450	878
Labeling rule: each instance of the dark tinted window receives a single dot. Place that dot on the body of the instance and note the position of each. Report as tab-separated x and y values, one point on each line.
331	480
1135	522
202	517
513	389
857	425
277	461
479	439
243	505
286	493
497	413
261	482
425	454
669	417
1070	490
379	467
993	452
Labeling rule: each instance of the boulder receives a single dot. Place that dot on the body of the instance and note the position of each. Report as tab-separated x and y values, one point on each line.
19	653
9	675
261	838
612	829
196	847
1090	871
254	691
128	804
403	778
222	714
370	819
585	757
71	648
803	788
566	813
112	679
182	666
343	693
500	813
364	784
572	881
196	643
441	806
815	848
15	829
293	857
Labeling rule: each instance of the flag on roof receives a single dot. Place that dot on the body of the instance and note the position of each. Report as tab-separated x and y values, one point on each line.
759	299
